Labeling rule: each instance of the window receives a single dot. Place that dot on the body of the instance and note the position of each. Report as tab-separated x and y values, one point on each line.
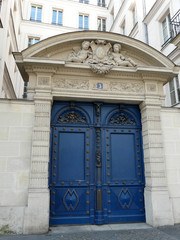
174	90
84	1
36	13
123	28
83	22
134	14
112	14
101	3
101	24
57	17
32	41
166	28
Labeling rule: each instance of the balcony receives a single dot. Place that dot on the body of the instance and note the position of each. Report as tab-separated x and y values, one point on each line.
175	25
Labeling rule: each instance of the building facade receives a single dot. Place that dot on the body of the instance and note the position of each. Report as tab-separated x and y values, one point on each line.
94	143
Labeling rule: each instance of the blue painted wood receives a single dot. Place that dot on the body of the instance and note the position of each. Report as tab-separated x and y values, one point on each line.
96	153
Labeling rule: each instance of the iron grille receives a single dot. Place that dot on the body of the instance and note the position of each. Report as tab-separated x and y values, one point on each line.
175	25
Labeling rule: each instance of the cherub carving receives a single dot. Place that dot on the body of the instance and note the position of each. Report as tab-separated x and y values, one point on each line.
82	55
119	59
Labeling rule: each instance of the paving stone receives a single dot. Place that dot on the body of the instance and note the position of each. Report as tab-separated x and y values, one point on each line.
162	233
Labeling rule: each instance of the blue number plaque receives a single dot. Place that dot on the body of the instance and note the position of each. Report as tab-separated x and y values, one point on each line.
100	85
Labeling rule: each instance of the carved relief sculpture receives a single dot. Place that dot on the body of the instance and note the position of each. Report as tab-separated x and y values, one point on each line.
119	59
82	55
100	56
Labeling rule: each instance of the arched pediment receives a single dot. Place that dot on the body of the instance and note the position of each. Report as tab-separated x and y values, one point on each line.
58	49
103	52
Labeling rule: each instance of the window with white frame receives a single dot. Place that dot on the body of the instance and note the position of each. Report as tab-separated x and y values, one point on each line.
83	22
166	28
32	40
36	13
57	16
101	24
174	90
101	3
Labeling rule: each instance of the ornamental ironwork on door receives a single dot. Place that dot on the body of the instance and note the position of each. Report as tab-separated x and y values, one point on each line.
96	168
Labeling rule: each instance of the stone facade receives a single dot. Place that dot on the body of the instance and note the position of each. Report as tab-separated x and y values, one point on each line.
171	141
16	124
54	77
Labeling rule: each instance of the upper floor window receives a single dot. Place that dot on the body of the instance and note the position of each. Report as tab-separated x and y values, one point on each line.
36	13
101	3
57	17
123	28
112	14
134	14
101	24
83	22
32	40
84	1
166	28
174	91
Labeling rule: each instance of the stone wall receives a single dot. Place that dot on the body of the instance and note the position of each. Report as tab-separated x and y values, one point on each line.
16	122
16	127
171	138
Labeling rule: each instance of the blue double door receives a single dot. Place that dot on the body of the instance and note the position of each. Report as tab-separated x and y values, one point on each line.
96	168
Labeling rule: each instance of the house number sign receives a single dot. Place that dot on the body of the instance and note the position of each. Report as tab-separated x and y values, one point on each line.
100	85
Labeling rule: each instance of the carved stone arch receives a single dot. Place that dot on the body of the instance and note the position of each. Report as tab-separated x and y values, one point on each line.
71	115
122	117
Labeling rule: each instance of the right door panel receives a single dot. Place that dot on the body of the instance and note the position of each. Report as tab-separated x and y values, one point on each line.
123	175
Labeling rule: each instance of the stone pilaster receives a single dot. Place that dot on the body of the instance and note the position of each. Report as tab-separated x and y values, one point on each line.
157	202
36	218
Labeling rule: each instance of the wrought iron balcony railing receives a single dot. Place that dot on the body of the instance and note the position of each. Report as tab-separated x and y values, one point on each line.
175	25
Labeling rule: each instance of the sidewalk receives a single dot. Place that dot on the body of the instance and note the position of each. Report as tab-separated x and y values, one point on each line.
105	232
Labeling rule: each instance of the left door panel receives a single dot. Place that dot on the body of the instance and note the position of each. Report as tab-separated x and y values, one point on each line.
71	180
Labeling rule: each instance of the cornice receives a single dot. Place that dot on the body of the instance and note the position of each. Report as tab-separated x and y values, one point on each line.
175	54
153	11
134	30
176	40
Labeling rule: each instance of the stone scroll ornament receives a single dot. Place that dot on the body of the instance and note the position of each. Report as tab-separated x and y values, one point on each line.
101	56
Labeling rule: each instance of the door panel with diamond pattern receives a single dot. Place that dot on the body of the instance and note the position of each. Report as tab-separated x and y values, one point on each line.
96	169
